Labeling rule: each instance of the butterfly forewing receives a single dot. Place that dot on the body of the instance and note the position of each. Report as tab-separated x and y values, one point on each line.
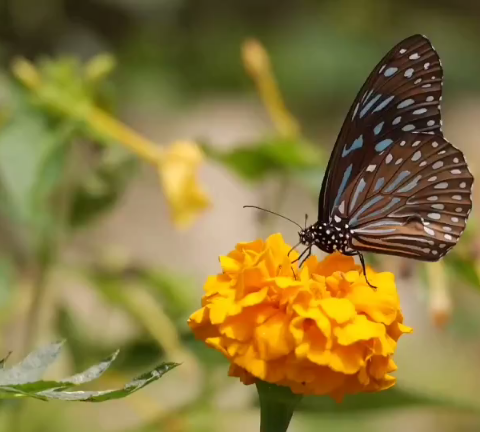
412	199
401	95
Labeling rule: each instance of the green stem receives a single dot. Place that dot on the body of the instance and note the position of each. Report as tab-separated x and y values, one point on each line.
277	405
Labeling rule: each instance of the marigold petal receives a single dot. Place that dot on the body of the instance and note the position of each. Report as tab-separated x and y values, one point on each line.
381	305
347	359
220	308
335	263
229	265
360	329
254	298
340	310
317	316
272	338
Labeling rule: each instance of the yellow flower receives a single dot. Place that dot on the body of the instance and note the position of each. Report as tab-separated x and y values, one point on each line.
178	173
177	164
320	330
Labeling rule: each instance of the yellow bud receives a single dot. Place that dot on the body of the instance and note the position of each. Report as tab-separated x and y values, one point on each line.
255	58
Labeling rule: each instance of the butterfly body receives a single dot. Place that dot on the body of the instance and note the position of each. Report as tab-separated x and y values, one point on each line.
394	185
328	237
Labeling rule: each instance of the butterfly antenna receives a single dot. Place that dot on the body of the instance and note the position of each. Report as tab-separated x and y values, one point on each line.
276	214
306	219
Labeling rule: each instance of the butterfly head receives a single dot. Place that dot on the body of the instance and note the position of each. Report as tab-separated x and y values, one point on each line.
308	235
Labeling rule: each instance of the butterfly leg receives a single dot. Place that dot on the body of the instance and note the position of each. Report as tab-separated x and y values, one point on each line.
362	261
308	249
308	256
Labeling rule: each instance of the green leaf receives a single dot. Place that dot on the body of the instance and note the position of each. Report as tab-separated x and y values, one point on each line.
256	162
24	379
100	396
463	268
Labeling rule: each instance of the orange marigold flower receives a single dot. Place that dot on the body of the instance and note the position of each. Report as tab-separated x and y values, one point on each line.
319	330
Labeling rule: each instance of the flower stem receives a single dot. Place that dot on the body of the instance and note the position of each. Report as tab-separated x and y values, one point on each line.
277	405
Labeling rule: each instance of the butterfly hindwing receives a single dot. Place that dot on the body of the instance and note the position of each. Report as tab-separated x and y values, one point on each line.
402	94
412	199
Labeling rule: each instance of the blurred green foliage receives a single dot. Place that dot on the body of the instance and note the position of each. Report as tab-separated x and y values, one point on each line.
59	177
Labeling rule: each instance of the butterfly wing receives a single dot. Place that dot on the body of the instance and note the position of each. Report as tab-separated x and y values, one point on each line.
413	199
402	94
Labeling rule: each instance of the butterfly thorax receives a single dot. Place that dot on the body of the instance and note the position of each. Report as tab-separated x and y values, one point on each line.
329	237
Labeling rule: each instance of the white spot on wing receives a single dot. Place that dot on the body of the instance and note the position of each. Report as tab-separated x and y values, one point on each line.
416	156
414	56
429	230
420	111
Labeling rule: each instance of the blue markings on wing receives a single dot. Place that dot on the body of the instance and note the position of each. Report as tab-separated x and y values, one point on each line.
369	105
343	185
393	202
365	207
384	103
411	185
378	128
382	145
357	144
390	71
360	187
402	176
379	183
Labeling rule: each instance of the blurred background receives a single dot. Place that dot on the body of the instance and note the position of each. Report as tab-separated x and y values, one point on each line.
131	134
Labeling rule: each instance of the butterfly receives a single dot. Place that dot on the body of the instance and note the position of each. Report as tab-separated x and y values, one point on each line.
394	185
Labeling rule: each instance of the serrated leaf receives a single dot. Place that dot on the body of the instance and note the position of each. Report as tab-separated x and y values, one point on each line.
100	396
32	368
24	379
91	373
